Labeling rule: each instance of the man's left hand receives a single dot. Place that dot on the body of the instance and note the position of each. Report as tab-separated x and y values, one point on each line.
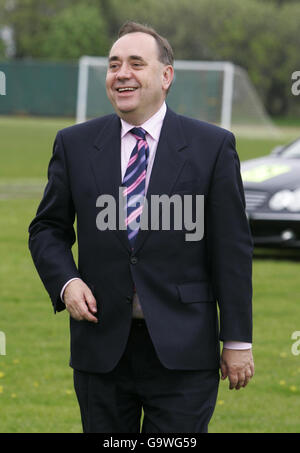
238	366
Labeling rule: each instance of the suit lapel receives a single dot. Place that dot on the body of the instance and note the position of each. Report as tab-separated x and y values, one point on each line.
106	167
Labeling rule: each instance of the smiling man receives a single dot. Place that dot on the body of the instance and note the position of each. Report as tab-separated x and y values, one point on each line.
143	303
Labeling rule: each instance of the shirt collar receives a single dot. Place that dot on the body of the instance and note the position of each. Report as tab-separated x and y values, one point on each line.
152	126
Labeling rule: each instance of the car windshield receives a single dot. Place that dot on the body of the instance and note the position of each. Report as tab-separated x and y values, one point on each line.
292	151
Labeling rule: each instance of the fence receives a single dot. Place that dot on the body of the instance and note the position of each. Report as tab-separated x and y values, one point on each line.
39	88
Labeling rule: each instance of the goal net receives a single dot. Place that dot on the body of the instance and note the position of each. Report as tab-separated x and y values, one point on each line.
217	92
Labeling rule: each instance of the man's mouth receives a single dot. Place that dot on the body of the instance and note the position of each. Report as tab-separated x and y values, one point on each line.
121	90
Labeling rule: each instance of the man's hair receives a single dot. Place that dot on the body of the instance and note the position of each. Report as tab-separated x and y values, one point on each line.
165	52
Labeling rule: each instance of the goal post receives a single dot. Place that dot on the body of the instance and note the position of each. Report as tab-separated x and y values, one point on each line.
217	92
85	63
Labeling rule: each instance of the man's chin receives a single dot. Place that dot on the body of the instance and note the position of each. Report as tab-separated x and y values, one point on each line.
124	105
126	110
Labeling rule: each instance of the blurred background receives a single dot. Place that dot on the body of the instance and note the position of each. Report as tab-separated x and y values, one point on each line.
44	88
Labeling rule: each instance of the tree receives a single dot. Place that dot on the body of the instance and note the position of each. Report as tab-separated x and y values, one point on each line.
76	31
47	28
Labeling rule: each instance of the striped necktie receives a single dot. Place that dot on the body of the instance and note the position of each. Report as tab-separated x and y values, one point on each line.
134	182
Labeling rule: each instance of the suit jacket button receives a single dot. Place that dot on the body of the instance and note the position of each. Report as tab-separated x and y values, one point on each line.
133	260
129	299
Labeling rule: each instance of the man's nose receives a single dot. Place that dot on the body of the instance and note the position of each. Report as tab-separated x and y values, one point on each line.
124	72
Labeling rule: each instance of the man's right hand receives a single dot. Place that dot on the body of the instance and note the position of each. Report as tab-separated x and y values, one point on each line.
80	302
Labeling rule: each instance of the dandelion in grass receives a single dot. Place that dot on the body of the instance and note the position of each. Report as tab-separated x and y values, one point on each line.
293	388
2	374
282	382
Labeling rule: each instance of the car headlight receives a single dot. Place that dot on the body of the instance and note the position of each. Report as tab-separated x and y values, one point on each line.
285	199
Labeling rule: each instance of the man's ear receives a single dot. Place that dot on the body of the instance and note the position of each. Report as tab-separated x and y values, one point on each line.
168	75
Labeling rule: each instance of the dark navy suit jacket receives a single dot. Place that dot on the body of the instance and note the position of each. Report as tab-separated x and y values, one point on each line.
180	283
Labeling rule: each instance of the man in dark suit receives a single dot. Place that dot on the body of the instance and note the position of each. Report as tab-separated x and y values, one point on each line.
143	302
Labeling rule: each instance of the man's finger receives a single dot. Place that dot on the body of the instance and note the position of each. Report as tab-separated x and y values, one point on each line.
247	379
223	368
241	381
89	317
75	311
248	375
91	301
233	380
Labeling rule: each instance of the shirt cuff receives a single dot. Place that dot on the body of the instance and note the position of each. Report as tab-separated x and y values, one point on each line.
236	345
64	287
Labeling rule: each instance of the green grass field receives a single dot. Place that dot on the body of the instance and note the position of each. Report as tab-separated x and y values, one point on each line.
36	388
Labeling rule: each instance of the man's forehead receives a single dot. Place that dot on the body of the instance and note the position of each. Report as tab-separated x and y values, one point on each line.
138	43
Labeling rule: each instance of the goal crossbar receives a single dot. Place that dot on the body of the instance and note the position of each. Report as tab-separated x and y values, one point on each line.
228	68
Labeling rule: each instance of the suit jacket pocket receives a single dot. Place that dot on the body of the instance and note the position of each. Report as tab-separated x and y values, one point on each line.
195	292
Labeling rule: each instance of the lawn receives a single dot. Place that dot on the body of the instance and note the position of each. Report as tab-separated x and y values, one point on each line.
36	389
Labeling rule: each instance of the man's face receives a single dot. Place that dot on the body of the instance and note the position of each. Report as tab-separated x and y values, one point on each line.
136	81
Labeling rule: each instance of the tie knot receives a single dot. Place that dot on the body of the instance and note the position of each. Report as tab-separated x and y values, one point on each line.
139	133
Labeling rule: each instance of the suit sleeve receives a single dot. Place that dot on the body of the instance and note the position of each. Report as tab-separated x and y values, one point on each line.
51	233
230	246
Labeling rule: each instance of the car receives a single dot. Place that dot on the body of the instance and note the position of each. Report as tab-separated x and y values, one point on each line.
272	193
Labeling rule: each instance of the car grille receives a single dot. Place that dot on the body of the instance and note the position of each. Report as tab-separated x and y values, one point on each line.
255	199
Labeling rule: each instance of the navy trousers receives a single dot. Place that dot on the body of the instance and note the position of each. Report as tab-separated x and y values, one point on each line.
173	401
